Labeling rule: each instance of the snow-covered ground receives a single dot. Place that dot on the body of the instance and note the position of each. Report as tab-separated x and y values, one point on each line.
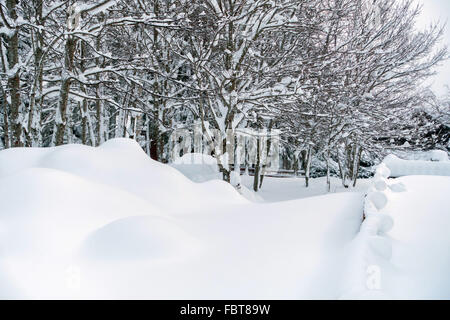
282	189
401	167
420	263
108	222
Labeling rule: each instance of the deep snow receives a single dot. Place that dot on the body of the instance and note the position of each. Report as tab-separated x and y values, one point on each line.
282	189
108	222
402	249
420	239
401	167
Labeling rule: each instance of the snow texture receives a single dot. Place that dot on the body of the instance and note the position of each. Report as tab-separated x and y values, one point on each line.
401	251
198	167
399	167
109	222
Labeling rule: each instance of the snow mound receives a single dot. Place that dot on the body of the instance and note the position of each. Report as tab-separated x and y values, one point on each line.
250	194
129	227
198	167
421	257
379	199
122	164
401	251
431	155
438	155
252	251
16	159
399	167
136	238
382	171
380	184
196	158
372	247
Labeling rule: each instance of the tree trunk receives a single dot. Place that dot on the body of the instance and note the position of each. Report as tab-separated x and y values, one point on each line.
269	145
257	165
357	167
61	117
14	79
328	171
100	138
83	108
308	166
5	105
5	120
342	171
35	109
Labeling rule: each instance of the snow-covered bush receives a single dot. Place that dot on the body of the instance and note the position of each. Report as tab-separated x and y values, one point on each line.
399	167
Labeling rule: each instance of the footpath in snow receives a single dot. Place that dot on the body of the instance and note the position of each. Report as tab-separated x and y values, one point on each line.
402	249
109	222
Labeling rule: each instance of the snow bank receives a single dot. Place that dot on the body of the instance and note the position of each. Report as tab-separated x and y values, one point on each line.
402	251
149	237
255	251
400	167
371	248
276	189
122	164
108	222
438	155
420	239
198	167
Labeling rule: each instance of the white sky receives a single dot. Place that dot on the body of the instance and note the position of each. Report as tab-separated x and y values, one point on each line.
433	11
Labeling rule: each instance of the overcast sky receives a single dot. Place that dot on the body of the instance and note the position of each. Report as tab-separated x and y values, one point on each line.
432	11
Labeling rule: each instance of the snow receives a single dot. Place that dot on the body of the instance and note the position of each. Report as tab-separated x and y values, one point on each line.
201	168
399	167
406	242
126	226
123	165
283	189
431	155
150	237
438	155
401	251
198	167
250	252
109	222
420	240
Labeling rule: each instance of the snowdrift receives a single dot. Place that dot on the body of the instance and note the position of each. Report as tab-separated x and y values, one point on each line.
198	167
108	222
121	164
402	251
400	167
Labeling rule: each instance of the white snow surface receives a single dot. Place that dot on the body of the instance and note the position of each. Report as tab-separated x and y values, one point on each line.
283	189
198	167
400	167
431	155
402	250
109	222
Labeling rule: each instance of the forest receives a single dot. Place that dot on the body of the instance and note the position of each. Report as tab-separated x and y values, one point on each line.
344	81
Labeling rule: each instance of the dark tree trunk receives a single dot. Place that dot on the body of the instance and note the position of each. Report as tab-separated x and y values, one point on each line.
61	121
14	80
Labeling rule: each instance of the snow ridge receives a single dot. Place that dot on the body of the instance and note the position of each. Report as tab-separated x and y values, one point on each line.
371	250
438	166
